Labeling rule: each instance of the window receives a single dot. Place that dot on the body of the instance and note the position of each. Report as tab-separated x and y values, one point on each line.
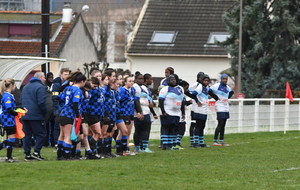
20	30
163	37
119	55
217	36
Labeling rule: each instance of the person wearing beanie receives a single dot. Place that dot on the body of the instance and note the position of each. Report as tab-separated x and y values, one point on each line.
200	111
221	92
188	93
49	80
168	71
182	122
142	124
172	109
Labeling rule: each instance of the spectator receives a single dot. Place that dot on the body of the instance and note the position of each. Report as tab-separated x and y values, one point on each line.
49	80
49	118
33	97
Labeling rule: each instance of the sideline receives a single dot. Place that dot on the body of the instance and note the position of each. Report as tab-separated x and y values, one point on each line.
289	169
268	140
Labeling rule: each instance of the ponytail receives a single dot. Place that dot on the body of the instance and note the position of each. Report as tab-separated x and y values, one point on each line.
5	84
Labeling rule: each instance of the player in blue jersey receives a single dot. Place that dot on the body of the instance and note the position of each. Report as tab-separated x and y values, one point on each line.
172	108
7	117
83	128
112	115
94	112
104	82
200	111
96	73
71	110
221	92
128	103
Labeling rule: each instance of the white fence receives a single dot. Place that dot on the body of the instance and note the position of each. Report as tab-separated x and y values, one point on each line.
261	115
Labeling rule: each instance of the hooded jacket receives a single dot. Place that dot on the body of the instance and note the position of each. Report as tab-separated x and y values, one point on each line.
57	82
33	98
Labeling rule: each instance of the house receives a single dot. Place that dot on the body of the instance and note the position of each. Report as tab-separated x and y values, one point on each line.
21	32
110	22
180	34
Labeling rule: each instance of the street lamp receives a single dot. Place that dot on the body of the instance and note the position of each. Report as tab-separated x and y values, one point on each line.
85	8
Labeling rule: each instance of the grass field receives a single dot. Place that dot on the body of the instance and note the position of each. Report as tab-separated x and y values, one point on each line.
253	161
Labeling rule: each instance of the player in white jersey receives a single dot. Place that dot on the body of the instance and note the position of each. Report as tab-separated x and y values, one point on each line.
172	108
168	71
221	92
200	111
193	122
182	122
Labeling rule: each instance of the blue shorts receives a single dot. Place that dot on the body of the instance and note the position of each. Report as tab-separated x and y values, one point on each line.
169	120
147	118
222	115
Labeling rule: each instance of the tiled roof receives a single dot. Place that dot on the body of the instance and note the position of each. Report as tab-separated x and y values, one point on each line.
33	48
194	20
26	17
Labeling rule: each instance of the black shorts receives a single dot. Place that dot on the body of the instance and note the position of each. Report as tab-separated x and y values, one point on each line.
10	130
65	120
110	124
92	119
192	115
127	119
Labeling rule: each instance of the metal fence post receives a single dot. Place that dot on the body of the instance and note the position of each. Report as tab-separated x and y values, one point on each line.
256	115
286	115
240	122
272	113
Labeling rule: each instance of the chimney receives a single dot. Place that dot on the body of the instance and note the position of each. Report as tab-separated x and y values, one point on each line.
67	13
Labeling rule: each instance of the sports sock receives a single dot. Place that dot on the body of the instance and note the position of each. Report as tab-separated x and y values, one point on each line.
118	146
124	142
100	146
59	149
67	150
201	138
9	147
178	139
196	140
145	144
109	145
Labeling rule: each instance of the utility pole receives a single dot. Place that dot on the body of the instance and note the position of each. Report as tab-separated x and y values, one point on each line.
45	33
240	49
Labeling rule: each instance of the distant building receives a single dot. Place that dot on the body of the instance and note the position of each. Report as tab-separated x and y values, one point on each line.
21	32
179	34
12	5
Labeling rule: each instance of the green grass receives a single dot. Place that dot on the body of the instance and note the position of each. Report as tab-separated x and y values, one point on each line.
253	161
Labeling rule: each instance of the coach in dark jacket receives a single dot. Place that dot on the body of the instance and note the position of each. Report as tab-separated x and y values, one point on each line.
33	98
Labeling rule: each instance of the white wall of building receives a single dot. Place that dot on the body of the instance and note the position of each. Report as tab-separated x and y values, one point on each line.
186	68
33	5
79	48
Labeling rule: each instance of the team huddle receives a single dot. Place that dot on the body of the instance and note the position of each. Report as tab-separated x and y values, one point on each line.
92	112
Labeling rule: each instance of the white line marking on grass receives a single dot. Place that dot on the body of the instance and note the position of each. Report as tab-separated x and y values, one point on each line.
268	140
289	169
